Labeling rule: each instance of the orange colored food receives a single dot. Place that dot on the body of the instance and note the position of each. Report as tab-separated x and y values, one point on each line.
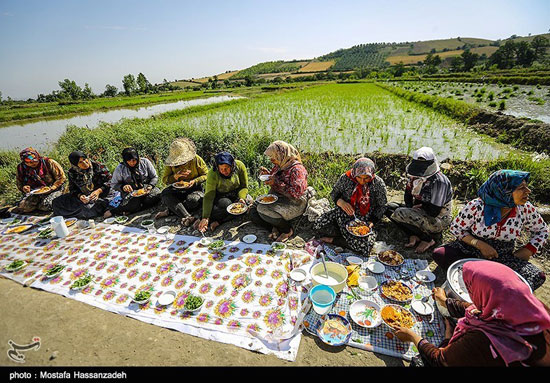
268	199
397	316
391	257
397	291
359	230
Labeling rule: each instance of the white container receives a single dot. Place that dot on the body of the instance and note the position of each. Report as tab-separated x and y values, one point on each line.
59	226
336	278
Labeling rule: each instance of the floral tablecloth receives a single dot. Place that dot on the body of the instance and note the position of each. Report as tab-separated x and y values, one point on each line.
261	314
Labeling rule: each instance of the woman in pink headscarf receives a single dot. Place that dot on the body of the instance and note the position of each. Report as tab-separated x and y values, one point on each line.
506	325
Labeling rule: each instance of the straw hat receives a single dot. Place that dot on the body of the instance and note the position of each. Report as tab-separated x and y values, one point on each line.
182	150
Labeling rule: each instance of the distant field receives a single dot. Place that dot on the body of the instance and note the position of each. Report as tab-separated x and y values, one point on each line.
439	45
317	66
408	60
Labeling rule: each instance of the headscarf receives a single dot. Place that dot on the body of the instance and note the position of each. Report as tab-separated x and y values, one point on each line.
83	178
132	154
361	194
34	177
423	166
285	154
224	158
497	192
508	310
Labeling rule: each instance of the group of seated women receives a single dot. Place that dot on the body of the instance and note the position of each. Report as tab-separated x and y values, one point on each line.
505	324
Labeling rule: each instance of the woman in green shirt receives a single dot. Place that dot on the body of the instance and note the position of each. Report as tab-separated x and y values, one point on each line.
184	174
226	183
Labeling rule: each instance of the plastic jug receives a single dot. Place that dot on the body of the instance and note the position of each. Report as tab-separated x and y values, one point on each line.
59	226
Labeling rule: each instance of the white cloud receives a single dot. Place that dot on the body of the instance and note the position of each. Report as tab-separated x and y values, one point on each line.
8	14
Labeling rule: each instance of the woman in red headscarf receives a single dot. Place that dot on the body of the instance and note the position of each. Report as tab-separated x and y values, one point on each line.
40	179
358	193
506	325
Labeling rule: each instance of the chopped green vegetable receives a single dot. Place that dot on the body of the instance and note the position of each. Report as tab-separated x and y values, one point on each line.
81	282
15	265
142	296
216	244
54	270
278	246
193	302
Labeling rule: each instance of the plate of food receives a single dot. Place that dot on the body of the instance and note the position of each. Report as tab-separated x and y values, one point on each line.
394	315
54	271
17	229
15	266
147	223
358	228
47	233
42	190
278	247
70	221
365	313
109	220
140	192
181	185
193	303
237	208
267	199
396	291
142	297
334	330
216	245
121	219
391	258
82	282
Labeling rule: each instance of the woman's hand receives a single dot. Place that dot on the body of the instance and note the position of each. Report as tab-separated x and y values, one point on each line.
94	195
523	253
370	224
407	335
182	174
203	224
26	189
84	199
439	296
190	184
487	251
127	188
346	207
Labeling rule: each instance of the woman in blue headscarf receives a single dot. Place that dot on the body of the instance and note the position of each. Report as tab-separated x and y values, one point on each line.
488	227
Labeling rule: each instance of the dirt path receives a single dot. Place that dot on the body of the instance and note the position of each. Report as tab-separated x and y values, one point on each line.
73	333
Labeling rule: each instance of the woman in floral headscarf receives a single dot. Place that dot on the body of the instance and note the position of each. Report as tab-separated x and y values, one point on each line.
506	325
90	190
361	193
288	181
40	175
488	226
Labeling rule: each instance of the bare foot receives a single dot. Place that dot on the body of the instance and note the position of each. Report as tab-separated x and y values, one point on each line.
274	234
163	213
423	246
413	240
107	214
214	225
327	239
285	236
188	221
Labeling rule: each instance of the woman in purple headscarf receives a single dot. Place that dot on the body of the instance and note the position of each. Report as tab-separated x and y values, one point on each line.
505	325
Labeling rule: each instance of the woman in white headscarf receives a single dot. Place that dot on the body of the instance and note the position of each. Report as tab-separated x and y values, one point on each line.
428	202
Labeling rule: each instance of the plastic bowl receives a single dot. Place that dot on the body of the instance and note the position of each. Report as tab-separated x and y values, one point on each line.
367	285
337	275
322	298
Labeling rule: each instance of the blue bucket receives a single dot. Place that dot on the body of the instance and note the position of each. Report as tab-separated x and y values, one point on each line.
322	298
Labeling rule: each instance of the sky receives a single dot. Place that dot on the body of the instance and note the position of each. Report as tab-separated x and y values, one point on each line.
98	42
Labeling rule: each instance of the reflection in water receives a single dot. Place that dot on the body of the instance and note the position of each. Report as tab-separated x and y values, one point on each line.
44	133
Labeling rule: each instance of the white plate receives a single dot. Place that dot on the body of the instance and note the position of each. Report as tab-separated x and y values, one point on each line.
278	250
167	298
376	267
425	276
16	269
237	203
163	229
298	275
109	220
422	308
205	241
264	177
360	306
250	238
354	260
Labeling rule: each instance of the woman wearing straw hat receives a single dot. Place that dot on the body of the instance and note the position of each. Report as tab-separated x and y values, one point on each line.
428	202
184	173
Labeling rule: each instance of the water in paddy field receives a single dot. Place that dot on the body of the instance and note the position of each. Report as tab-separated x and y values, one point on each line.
528	101
358	118
43	133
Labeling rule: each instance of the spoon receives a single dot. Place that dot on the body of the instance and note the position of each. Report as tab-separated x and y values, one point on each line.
323	259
